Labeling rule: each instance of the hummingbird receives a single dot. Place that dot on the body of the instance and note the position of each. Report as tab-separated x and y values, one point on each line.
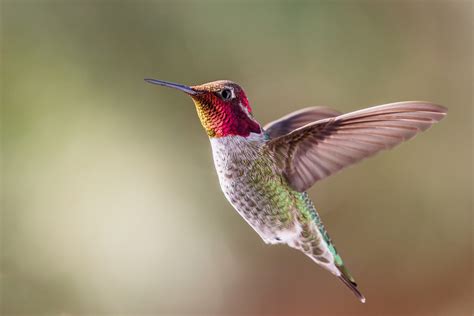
264	172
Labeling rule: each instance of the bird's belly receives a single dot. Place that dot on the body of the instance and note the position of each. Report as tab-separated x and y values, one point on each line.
256	199
251	184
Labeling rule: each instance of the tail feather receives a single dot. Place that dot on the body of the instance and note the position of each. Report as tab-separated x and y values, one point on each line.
352	286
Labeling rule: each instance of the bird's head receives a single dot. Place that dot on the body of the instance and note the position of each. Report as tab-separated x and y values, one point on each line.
222	107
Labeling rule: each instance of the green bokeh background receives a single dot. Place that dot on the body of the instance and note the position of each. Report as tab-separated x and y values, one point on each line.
110	203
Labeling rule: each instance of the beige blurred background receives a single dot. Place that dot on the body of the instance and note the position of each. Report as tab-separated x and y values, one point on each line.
110	203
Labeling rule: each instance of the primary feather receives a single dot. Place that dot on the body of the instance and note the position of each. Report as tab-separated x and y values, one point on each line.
317	150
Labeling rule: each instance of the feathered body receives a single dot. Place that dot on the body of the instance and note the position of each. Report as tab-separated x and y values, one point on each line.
265	172
251	182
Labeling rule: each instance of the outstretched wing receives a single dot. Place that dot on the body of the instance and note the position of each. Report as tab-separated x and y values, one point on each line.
297	119
319	149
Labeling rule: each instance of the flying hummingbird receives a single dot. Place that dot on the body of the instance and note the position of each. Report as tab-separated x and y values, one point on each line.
264	172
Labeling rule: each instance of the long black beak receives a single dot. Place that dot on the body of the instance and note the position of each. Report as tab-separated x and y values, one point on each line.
178	86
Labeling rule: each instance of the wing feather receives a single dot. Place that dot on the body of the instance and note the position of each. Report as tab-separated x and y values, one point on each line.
319	149
297	119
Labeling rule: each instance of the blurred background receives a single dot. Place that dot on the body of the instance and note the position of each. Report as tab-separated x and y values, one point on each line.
110	201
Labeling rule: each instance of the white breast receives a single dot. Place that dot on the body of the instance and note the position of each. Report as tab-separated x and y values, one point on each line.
233	154
233	157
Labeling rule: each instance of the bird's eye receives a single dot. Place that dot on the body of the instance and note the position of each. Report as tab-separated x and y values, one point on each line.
226	94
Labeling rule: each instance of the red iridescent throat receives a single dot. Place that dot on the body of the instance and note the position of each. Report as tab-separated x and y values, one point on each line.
225	118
